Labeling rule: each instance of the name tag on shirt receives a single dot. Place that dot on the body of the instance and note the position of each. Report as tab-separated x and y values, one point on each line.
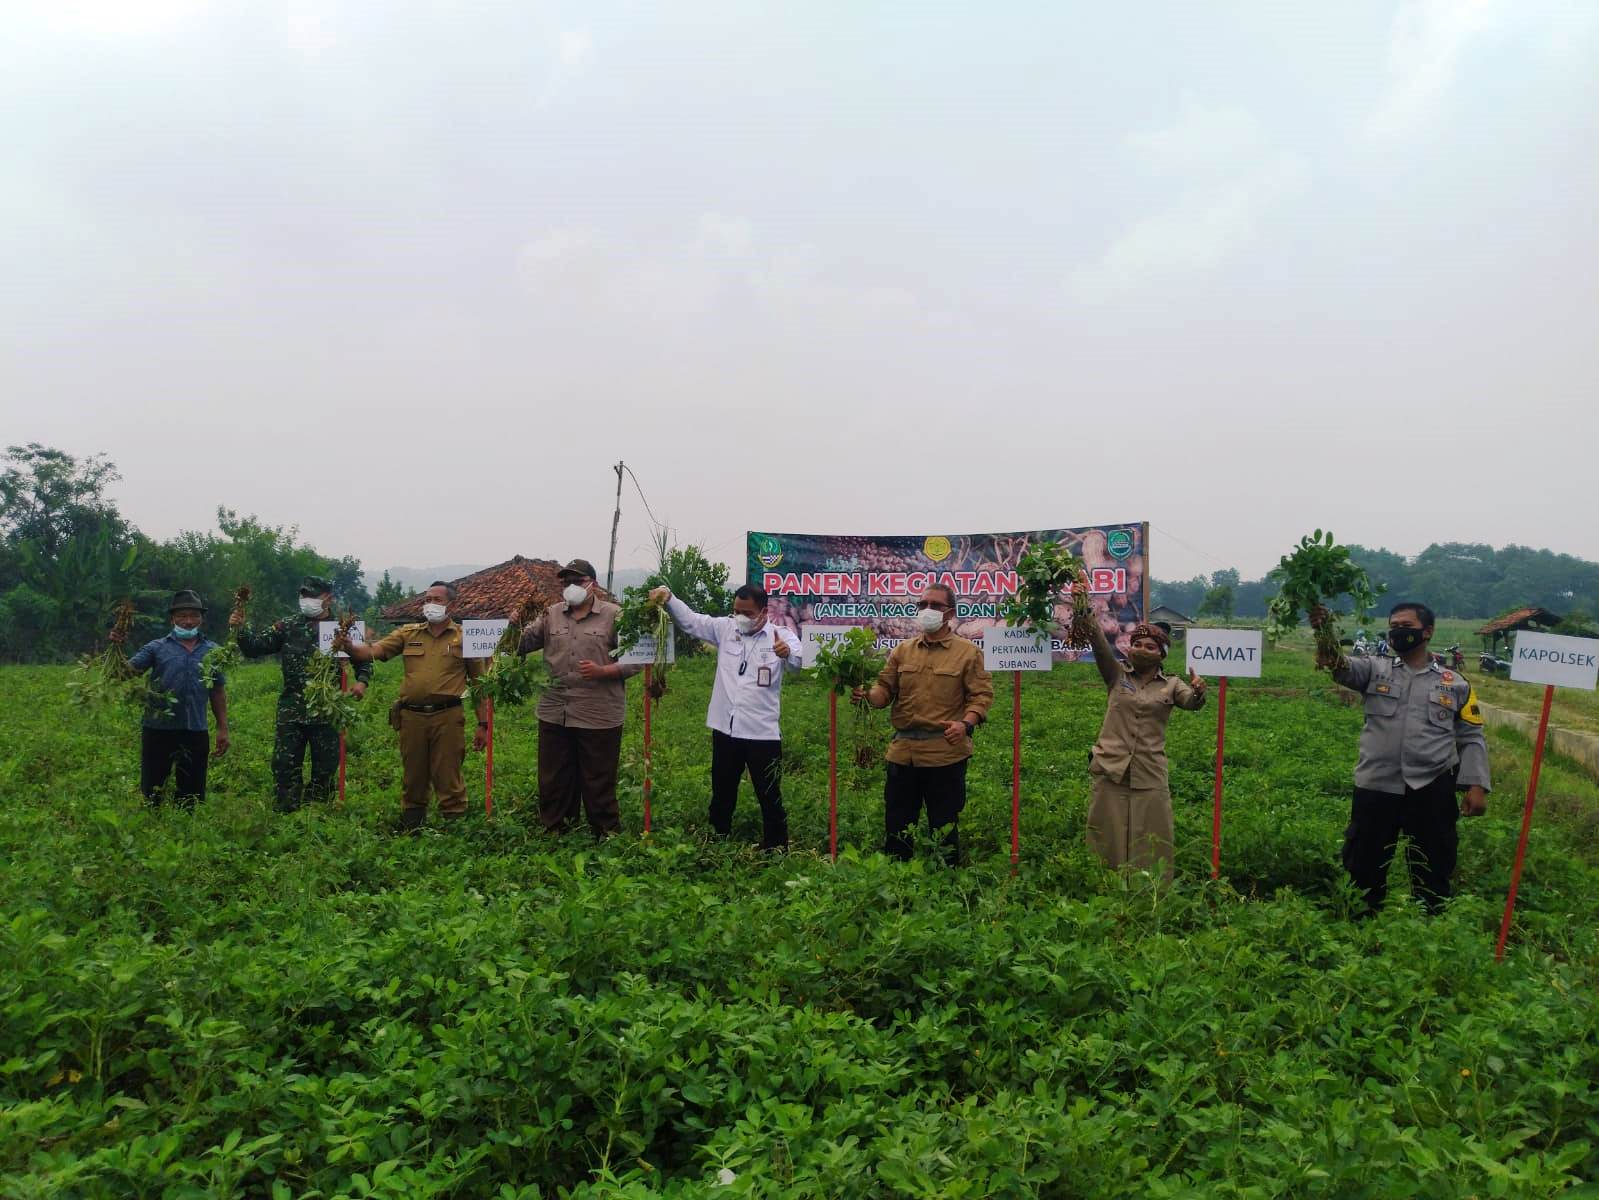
1382	689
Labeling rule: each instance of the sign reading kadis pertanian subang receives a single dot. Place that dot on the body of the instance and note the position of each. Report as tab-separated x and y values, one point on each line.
817	580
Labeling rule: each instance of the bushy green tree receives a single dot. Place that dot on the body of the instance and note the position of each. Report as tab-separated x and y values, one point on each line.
1218	602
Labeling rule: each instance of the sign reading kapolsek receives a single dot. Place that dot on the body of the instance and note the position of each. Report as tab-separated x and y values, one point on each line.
1548	658
1224	652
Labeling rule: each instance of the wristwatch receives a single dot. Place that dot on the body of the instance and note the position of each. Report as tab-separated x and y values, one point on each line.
970	728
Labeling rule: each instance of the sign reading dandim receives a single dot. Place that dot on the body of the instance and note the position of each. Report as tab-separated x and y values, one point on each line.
326	629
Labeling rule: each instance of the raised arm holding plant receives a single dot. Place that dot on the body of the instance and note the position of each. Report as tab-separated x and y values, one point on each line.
1314	575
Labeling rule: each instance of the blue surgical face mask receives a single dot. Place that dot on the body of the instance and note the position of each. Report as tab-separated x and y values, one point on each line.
187	635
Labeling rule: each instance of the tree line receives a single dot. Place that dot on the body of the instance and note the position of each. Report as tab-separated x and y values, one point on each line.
1457	579
68	556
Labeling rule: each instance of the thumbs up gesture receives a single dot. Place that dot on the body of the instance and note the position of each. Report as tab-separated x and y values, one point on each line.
1195	682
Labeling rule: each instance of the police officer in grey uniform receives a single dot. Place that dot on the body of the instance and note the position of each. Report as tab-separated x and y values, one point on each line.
1422	743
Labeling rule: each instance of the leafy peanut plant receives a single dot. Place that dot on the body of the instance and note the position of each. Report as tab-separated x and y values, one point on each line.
1318	572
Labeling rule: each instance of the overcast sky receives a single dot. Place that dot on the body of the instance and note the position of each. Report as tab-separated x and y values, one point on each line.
412	275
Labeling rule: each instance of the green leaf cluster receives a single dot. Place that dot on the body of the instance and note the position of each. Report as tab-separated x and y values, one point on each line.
1048	572
232	1002
1318	572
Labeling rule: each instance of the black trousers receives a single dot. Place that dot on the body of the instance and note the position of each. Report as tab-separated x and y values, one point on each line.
163	751
289	748
730	756
1429	816
578	767
908	790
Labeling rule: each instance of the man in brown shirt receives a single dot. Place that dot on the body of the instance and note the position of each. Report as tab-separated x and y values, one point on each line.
432	739
940	693
580	720
1129	813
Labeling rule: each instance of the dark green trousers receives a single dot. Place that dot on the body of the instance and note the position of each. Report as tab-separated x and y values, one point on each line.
288	756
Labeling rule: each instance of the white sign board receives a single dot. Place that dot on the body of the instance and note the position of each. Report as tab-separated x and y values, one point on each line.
479	639
1571	662
814	637
1224	652
1008	649
326	629
643	652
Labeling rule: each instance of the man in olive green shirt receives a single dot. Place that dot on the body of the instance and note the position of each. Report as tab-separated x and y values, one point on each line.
941	693
432	740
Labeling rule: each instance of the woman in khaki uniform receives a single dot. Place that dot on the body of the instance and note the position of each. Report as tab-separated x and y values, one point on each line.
1129	813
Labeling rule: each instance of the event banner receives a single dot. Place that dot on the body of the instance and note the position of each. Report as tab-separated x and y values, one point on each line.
821	585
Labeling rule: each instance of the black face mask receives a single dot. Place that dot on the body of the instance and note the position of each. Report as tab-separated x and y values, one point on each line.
1405	639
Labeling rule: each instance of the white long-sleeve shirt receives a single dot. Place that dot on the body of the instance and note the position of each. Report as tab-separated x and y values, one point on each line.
749	675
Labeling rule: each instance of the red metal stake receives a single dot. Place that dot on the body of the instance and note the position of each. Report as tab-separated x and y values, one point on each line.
832	775
1016	771
648	671
1526	822
488	764
344	686
1221	744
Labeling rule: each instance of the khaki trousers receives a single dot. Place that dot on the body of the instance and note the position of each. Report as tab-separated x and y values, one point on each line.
432	749
1131	827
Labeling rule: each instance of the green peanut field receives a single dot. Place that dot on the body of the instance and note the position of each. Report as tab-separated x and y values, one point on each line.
233	1003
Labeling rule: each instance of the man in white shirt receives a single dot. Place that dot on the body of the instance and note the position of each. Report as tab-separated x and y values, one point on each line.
751	657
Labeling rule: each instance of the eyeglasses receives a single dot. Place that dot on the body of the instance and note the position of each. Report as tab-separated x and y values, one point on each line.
921	604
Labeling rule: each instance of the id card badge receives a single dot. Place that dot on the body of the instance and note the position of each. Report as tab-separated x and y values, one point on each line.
763	676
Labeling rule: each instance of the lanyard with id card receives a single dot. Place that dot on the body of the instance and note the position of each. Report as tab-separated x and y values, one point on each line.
763	673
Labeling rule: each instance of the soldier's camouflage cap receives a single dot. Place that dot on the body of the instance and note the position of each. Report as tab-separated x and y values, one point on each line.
315	585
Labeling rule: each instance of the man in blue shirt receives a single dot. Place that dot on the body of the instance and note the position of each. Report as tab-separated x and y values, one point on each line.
175	734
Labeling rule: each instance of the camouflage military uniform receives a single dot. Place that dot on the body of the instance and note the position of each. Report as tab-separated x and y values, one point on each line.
294	641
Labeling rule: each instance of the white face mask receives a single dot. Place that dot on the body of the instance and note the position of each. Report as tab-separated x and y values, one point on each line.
745	624
311	606
574	594
930	620
434	613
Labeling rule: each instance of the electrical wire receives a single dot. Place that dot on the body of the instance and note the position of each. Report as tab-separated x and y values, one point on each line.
637	488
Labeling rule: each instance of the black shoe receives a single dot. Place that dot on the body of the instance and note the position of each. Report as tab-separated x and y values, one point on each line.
411	821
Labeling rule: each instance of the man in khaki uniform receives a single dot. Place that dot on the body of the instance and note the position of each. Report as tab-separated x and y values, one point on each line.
432	739
580	720
1129	813
941	693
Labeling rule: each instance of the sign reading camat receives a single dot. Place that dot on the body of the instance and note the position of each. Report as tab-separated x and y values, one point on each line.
1551	659
479	639
1224	652
326	629
1006	648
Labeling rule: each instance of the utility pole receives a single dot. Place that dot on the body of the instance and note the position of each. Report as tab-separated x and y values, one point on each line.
616	519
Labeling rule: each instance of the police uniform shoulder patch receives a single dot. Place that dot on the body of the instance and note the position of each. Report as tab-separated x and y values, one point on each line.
1449	676
1471	710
